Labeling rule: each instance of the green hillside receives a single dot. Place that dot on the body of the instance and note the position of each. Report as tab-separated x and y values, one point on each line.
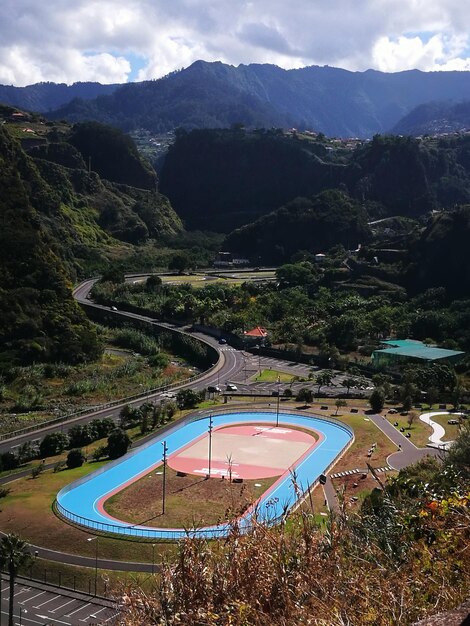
222	179
313	224
39	320
61	222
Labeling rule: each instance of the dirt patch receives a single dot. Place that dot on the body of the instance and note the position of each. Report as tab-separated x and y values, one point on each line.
190	501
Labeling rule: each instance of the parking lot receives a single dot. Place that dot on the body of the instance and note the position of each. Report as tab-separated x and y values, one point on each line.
36	604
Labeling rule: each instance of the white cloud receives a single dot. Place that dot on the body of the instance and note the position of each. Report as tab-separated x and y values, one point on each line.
67	41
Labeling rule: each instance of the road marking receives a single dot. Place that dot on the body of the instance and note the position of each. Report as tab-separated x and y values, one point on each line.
95	614
37	595
77	610
54	619
62	606
23	590
46	602
30	619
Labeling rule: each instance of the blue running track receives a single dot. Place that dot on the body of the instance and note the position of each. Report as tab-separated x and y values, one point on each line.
78	501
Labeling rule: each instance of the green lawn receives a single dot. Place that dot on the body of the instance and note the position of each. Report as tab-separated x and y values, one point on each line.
272	376
452	430
419	431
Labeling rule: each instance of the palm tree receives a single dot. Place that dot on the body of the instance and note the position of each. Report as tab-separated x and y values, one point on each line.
15	554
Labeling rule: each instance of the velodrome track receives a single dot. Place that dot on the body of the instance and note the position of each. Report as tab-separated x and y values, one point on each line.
82	501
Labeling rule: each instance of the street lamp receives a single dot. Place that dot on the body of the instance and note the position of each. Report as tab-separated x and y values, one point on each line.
259	357
210	446
21	613
277	409
165	450
96	561
153	558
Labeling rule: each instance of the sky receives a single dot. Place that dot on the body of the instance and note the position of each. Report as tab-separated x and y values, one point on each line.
117	41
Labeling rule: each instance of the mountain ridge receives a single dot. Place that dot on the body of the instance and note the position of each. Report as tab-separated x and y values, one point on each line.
334	101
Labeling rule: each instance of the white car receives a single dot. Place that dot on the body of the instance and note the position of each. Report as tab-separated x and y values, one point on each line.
231	387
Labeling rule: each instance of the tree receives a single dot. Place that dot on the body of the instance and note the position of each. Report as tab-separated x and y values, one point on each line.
118	443
156	415
407	403
179	262
113	275
340	403
323	379
377	400
99	453
9	461
304	395
458	455
153	283
75	458
15	554
350	382
52	444
187	398
412	417
432	394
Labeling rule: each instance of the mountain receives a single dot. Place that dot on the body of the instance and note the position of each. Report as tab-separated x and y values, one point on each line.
39	320
439	256
43	97
61	221
214	95
435	118
313	224
221	179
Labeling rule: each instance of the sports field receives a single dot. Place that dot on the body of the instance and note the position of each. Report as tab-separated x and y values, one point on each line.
241	445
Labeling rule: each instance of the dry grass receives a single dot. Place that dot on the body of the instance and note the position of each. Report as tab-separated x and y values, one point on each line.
191	501
366	434
27	511
295	575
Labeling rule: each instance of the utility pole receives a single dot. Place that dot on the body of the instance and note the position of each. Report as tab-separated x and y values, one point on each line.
165	450
210	446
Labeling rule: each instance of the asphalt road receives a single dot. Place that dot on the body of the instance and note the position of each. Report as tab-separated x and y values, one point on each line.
229	364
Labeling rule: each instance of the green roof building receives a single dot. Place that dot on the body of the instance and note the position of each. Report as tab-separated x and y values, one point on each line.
401	351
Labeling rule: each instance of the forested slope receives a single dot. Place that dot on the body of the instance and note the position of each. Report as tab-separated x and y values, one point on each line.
39	320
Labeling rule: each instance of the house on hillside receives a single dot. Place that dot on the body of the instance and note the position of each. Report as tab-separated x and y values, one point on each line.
398	352
255	336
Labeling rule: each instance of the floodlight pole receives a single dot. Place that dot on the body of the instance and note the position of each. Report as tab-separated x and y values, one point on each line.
277	409
95	538
210	446
165	450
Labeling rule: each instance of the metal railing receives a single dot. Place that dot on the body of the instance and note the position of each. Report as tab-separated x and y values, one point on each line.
243	524
128	399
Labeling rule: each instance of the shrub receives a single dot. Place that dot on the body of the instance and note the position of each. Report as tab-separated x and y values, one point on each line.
75	458
9	461
53	443
118	443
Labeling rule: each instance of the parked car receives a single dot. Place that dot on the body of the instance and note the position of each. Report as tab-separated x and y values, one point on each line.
222	341
231	387
393	411
453	422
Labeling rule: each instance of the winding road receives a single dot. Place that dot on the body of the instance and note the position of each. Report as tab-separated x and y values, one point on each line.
230	363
